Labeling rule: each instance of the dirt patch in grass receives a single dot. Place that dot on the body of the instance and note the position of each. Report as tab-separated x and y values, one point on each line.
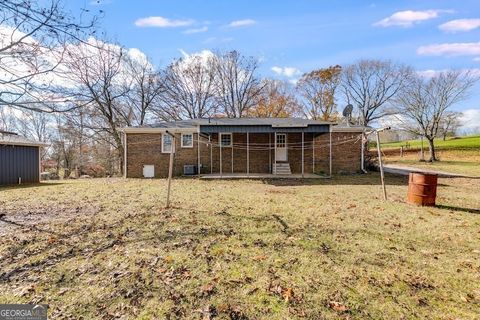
326	249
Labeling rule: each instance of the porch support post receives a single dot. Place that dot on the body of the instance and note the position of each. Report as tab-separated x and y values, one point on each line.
198	152
211	152
313	152
303	154
330	152
275	154
248	154
220	144
232	152
270	152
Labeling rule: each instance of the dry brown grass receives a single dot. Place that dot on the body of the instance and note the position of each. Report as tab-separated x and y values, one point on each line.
326	249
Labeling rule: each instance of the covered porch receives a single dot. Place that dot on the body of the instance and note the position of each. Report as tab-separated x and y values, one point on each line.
264	151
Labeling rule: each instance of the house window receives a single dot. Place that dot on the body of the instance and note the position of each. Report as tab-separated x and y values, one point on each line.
167	145
225	139
187	140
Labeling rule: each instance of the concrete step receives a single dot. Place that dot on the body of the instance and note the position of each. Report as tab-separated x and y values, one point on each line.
282	168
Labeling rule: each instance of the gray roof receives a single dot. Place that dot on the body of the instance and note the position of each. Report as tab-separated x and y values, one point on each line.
275	122
11	139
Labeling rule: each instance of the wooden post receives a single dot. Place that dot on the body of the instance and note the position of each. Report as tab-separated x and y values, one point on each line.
401	151
170	169
381	166
303	156
248	154
422	154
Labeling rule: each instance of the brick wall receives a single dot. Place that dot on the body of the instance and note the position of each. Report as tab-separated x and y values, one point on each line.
145	149
346	152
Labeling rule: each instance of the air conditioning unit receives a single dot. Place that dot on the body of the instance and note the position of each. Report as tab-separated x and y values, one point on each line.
189	170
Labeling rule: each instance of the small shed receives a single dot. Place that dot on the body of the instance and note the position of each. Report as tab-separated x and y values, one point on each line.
19	159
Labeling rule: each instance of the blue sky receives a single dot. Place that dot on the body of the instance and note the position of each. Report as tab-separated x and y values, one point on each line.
302	34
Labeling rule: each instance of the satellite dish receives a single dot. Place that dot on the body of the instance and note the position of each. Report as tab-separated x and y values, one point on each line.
347	113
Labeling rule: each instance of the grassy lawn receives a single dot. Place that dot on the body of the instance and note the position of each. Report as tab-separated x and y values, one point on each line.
467	142
456	155
466	161
325	249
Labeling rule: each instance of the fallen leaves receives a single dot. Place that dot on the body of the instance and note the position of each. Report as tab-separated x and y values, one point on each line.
285	293
337	306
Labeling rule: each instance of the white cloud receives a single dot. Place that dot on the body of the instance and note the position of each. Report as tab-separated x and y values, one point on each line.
162	22
241	23
196	30
408	18
470	120
474	72
286	71
476	59
460	25
450	49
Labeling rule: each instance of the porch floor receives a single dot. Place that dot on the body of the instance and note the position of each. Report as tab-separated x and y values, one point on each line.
261	176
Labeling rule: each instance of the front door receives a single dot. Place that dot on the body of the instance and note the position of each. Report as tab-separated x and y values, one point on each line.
281	147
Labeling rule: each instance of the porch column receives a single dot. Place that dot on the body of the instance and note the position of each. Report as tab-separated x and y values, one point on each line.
275	154
198	152
248	154
220	145
330	152
303	151
313	152
270	152
211	152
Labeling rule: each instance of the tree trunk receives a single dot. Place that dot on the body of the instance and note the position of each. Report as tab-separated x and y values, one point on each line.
431	147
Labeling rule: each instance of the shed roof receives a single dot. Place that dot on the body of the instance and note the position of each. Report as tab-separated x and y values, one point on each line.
16	140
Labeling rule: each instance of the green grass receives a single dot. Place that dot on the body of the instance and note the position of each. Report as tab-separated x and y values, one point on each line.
325	249
468	142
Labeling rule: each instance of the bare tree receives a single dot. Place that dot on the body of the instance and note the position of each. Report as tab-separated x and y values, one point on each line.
237	86
371	85
98	75
188	89
7	120
449	124
424	102
145	87
275	100
318	89
32	39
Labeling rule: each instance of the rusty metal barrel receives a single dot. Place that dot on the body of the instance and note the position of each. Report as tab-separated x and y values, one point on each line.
422	188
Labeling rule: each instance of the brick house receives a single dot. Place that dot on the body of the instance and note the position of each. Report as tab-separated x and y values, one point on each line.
243	147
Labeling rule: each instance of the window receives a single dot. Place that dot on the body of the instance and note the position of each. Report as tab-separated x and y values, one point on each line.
281	140
167	143
187	140
225	139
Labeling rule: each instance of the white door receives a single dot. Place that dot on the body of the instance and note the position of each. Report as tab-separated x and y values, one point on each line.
281	145
149	171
